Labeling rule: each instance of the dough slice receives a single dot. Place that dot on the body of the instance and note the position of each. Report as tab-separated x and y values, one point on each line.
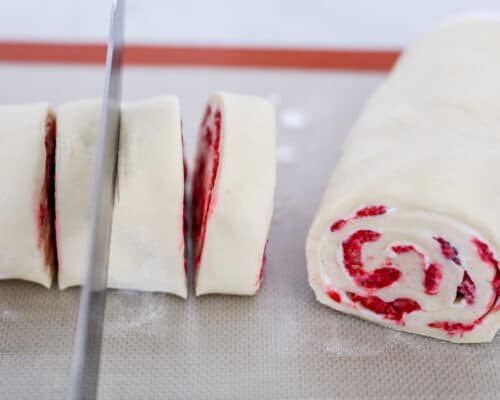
233	193
27	144
147	243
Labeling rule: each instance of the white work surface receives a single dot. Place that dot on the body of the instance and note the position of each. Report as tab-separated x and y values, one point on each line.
295	23
281	344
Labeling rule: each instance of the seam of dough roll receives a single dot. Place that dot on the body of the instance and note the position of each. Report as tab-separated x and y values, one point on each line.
233	193
27	249
407	234
147	240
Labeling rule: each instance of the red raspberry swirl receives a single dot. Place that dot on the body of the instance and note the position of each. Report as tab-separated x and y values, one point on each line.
205	175
370	279
45	213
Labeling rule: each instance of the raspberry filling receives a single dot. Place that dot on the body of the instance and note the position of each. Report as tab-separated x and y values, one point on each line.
432	279
454	328
46	207
432	273
448	251
370	211
386	275
496	284
467	288
487	256
485	253
380	277
335	296
184	202
260	278
338	225
205	174
393	310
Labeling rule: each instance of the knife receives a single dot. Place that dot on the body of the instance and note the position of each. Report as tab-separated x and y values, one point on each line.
87	348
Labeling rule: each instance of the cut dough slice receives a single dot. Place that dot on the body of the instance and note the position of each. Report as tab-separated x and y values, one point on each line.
233	193
27	141
147	243
408	232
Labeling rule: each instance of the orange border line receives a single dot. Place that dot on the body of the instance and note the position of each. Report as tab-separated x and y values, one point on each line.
151	55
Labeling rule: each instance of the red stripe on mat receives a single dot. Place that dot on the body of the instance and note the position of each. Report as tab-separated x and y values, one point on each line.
357	60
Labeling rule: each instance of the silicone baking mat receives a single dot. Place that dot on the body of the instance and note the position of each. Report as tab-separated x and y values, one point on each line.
280	344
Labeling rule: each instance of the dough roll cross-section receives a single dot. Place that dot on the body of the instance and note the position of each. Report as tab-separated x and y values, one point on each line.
233	193
27	145
147	239
408	232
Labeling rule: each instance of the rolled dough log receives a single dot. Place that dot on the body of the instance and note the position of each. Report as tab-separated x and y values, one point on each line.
233	193
408	232
147	243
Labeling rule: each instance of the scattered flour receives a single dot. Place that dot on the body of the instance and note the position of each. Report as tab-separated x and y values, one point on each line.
274	98
129	311
293	119
285	154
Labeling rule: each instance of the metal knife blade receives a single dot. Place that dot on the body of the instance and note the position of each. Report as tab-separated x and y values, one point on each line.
87	349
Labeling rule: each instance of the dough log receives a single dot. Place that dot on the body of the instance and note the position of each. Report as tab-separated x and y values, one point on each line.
408	232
